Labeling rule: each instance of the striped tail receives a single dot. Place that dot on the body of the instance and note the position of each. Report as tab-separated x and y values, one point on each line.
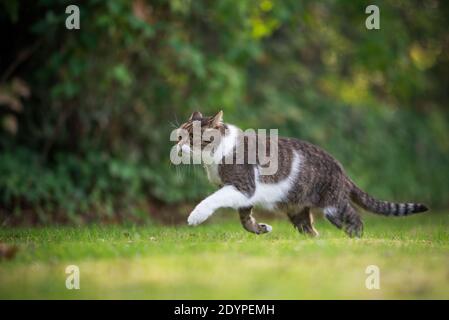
386	208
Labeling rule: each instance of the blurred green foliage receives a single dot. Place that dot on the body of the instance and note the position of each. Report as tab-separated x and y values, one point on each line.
94	134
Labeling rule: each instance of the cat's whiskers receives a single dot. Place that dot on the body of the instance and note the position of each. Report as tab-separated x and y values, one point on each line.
174	126
176	119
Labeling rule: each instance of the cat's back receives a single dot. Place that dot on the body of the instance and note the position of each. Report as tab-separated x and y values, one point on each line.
311	154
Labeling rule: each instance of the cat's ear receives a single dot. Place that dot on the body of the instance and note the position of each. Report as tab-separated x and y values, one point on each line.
196	115
217	119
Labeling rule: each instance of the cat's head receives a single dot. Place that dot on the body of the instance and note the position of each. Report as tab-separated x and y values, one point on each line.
202	130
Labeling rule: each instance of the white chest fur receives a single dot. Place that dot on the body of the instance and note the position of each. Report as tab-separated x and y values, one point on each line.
268	195
225	147
212	173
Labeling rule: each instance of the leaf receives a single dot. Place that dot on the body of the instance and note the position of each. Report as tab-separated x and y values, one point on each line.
7	251
10	101
21	88
10	124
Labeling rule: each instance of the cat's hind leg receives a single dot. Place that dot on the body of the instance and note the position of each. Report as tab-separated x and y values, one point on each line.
345	217
250	224
303	221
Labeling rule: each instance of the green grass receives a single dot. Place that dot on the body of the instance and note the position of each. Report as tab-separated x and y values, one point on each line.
221	260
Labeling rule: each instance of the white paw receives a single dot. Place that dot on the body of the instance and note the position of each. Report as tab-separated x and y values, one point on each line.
266	228
197	216
269	228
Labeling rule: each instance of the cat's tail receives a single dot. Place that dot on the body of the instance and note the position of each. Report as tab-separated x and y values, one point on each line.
386	208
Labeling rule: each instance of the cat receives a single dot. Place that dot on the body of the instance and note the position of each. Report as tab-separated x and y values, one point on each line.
307	178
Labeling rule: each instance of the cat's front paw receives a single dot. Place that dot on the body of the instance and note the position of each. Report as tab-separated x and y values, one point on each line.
264	228
196	217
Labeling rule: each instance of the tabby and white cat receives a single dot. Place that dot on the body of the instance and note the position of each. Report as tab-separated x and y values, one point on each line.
307	177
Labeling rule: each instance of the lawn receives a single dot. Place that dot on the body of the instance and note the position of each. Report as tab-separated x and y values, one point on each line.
220	260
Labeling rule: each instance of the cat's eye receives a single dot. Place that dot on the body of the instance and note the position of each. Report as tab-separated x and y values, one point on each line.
208	140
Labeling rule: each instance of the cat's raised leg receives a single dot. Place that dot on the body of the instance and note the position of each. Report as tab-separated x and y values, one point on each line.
303	221
250	224
226	197
346	217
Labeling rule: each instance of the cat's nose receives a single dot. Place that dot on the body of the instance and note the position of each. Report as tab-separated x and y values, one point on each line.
185	148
